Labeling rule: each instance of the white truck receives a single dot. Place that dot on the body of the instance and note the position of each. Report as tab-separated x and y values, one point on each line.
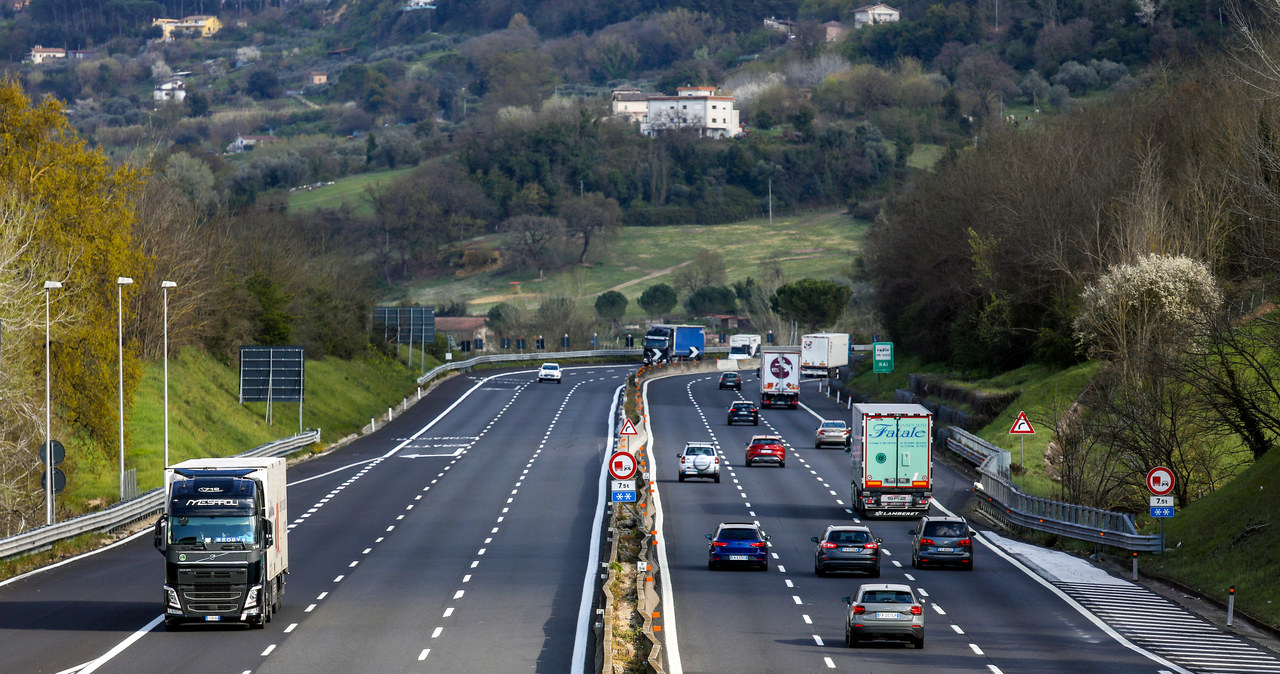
742	347
225	539
822	352
892	459
780	376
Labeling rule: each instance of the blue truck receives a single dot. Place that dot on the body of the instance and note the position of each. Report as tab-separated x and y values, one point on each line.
666	343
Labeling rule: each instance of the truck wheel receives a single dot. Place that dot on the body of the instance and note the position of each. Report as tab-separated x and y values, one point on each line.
172	625
278	595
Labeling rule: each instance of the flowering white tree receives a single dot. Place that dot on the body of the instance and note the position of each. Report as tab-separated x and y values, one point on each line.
1150	305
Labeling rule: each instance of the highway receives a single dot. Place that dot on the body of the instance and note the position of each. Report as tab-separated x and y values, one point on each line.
996	618
455	539
462	538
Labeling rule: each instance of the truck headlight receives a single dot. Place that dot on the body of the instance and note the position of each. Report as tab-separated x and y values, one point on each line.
252	600
172	596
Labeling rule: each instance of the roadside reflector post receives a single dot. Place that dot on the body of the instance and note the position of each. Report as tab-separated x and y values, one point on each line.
1231	604
1135	565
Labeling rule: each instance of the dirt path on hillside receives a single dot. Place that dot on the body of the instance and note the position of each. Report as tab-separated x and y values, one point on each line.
646	277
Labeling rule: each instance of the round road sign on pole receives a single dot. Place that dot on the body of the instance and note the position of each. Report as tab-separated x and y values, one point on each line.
622	466
1160	480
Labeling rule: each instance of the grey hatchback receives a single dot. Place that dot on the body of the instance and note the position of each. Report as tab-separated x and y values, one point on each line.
888	611
942	540
847	548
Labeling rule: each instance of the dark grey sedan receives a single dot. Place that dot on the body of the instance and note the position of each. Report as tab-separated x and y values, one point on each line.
847	548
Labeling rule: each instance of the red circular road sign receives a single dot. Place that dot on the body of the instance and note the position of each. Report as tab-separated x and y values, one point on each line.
1160	480
622	466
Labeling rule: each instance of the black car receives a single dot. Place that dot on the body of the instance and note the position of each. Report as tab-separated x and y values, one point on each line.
847	548
731	380
942	541
744	411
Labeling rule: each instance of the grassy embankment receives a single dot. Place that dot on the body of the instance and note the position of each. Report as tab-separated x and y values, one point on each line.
1216	542
348	191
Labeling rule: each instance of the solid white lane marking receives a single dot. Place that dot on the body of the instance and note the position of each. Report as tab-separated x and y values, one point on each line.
119	648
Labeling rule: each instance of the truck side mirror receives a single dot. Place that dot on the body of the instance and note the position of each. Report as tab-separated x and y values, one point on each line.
159	535
268	534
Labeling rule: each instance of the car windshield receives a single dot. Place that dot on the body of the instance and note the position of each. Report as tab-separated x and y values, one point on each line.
766	441
729	375
887	597
742	406
550	367
849	537
833	424
738	534
699	451
944	529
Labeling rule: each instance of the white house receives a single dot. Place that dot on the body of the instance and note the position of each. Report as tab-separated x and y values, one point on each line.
695	108
246	143
171	90
870	14
40	54
630	103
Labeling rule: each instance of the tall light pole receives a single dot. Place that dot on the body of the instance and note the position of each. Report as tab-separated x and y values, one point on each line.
48	429
121	282
164	287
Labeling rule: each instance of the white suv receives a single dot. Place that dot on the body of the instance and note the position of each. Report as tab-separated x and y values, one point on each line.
699	459
549	372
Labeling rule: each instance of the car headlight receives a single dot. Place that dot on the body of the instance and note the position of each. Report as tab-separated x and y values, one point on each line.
172	596
252	600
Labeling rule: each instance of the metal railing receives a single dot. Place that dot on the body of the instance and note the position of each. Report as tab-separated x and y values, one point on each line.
1000	499
126	512
540	356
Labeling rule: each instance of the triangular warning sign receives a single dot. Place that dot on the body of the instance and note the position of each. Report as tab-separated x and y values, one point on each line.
1022	426
628	428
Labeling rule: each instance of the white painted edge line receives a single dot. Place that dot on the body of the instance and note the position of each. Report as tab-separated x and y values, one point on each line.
443	414
127	539
593	558
335	470
1102	625
670	641
93	666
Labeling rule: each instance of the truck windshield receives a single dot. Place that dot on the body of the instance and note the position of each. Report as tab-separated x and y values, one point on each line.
211	530
655	341
744	349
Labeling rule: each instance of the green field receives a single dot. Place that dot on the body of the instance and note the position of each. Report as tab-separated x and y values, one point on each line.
348	191
815	245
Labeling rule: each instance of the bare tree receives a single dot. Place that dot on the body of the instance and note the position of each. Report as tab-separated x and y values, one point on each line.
534	239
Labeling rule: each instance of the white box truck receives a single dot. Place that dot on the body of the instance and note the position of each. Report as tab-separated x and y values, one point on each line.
780	376
892	459
225	540
822	352
742	347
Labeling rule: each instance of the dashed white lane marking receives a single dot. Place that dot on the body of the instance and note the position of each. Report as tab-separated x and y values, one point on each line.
807	619
818	639
435	634
797	600
830	663
423	655
290	628
267	652
310	608
957	629
458	594
976	650
448	612
938	609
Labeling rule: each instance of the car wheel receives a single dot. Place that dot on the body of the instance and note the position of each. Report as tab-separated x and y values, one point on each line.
915	562
755	423
764	566
680	477
817	445
782	464
919	643
717	478
875	573
849	639
818	570
711	564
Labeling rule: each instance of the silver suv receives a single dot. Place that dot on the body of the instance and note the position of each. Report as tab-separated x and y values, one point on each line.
699	459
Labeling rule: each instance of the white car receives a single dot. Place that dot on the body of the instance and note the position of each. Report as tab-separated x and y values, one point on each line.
699	459
549	372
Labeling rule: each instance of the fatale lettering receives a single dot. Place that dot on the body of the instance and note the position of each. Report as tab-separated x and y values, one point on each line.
891	431
196	502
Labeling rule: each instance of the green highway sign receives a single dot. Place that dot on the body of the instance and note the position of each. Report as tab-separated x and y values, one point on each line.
882	357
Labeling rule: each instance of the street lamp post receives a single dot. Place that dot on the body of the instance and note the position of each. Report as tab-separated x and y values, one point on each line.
164	287
48	430
121	282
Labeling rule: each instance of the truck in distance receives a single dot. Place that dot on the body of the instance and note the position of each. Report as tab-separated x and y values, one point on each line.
823	352
666	343
780	376
744	346
891	459
225	539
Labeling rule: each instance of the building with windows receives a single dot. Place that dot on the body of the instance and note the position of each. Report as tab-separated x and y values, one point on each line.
172	90
864	16
692	108
40	54
199	25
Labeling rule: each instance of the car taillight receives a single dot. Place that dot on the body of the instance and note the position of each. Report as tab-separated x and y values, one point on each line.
859	608
829	546
717	459
916	610
926	541
964	542
759	544
870	546
718	544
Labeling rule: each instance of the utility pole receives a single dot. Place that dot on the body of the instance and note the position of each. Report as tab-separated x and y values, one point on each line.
771	202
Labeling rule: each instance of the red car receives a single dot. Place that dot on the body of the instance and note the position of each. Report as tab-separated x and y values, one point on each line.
766	449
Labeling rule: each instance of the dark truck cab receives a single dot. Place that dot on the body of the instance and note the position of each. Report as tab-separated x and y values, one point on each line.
223	562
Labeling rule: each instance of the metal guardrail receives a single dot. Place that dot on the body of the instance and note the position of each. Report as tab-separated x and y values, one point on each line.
1002	500
539	356
125	512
